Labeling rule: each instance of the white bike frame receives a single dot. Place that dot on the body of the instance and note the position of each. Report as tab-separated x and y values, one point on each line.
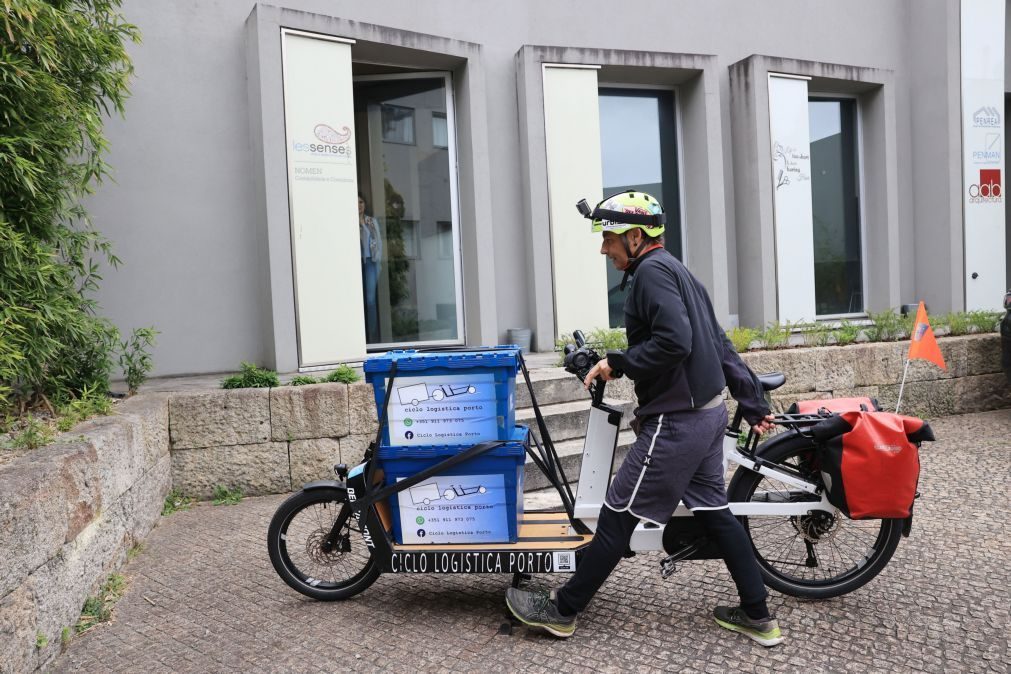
598	463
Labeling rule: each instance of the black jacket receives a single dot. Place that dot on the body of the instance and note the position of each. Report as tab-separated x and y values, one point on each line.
678	355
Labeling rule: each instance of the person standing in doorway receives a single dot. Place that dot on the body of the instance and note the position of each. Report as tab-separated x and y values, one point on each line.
680	360
372	254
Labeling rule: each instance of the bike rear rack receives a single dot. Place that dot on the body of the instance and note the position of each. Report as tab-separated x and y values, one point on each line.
798	423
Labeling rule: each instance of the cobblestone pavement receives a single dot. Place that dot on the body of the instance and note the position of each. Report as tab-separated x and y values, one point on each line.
204	598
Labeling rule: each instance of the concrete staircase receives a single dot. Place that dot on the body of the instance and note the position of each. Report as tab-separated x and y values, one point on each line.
565	405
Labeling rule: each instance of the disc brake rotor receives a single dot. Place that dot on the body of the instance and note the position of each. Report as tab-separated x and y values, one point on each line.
314	548
816	528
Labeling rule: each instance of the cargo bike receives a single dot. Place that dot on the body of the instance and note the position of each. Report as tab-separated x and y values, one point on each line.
333	539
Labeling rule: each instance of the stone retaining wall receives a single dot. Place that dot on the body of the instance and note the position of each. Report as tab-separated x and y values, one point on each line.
272	441
973	381
267	441
68	514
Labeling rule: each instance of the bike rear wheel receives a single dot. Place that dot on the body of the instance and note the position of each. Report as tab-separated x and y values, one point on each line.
295	543
815	556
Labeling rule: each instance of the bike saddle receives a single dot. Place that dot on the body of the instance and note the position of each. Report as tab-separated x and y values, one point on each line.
772	380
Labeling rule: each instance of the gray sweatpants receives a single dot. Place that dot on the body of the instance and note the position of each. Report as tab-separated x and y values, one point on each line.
676	456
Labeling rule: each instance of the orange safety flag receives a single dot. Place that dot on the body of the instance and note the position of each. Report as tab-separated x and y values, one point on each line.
923	344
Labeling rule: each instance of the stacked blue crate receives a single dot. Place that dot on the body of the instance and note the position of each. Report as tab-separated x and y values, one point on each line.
446	398
441	404
477	501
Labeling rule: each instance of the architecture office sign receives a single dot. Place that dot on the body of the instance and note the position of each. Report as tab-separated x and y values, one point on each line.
323	197
983	169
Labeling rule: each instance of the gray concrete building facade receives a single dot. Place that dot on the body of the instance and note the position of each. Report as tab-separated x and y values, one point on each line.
816	161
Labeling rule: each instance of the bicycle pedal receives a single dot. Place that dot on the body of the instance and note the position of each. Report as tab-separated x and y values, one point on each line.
667	568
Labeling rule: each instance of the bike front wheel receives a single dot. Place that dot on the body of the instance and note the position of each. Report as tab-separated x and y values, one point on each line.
819	555
295	543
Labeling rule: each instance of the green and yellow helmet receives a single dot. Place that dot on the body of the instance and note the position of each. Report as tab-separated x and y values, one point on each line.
627	210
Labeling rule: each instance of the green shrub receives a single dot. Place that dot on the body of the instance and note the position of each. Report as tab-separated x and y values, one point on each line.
32	430
344	374
251	376
938	323
33	433
176	501
885	325
906	324
742	338
88	404
776	336
134	550
98	609
135	359
901	326
958	323
41	641
984	321
963	323
303	380
63	68
608	339
846	333
818	334
601	340
225	496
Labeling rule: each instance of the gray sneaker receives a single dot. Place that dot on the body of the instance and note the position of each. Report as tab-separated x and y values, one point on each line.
765	632
537	609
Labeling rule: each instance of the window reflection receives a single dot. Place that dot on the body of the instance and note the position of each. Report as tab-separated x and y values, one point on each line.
440	130
404	174
638	152
838	274
398	124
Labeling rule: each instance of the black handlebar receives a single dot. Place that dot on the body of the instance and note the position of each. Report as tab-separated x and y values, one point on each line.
580	359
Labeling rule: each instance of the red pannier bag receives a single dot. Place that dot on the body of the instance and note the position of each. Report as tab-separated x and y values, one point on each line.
834	405
870	462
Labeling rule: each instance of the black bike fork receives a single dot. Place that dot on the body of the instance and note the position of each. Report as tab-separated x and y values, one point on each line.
330	542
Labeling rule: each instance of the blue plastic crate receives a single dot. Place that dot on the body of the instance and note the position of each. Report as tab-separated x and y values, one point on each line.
477	501
446	398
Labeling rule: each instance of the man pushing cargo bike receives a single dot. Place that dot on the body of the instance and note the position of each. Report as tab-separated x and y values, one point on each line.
815	511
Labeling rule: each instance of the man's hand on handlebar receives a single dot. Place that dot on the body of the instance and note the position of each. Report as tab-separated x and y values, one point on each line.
602	370
763	425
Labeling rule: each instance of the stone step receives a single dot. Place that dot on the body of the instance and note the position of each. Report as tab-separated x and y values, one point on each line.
543	499
570	455
554	385
551	385
567	421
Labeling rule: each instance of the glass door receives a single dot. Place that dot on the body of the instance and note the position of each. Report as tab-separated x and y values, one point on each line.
639	152
408	216
835	199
